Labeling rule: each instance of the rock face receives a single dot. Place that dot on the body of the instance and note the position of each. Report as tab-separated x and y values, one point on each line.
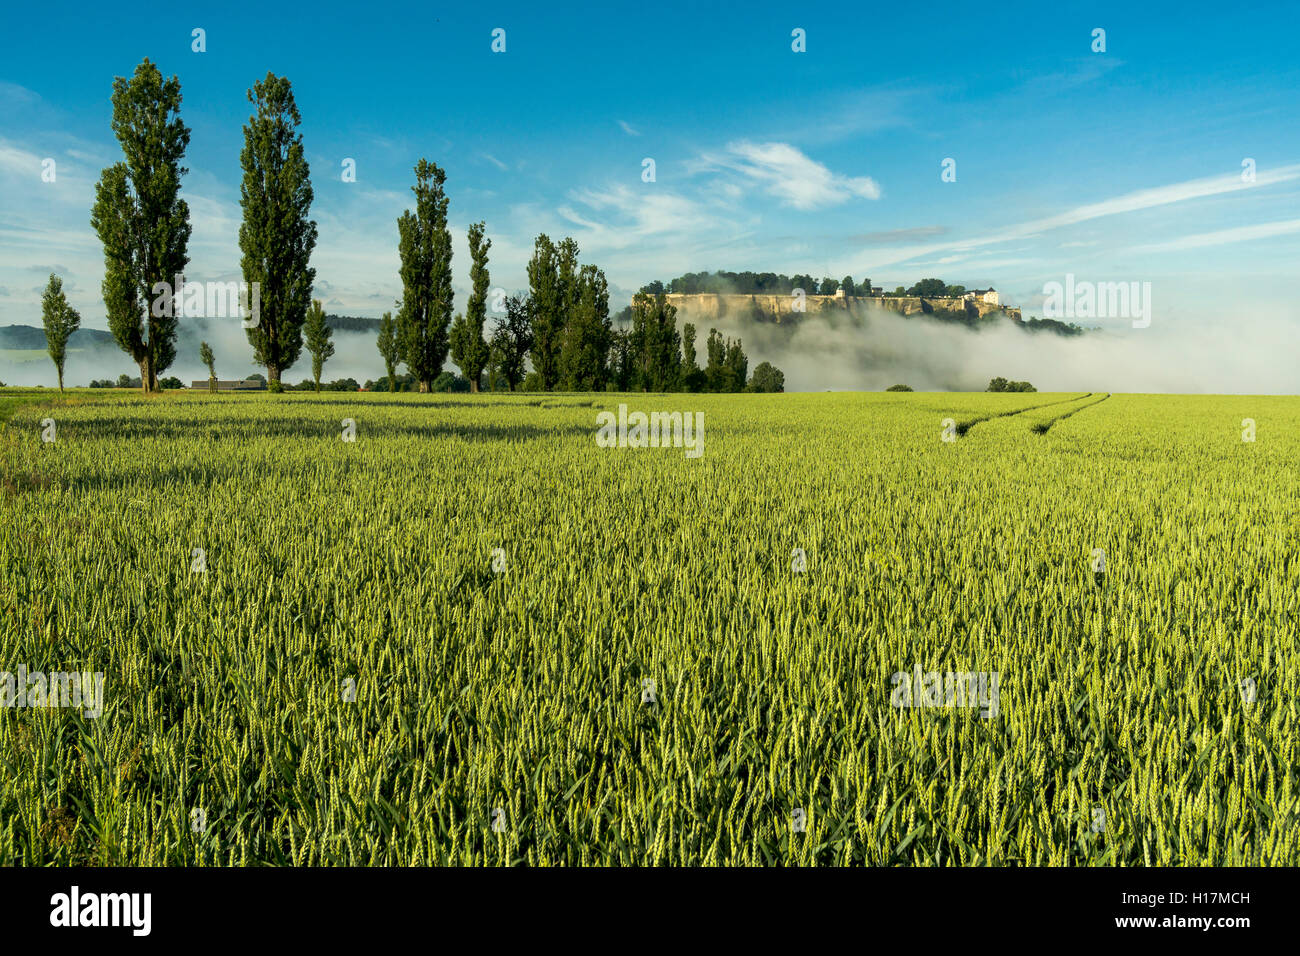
779	307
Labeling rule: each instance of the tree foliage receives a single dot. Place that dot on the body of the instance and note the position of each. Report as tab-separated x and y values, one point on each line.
586	339
469	350
390	349
424	311
276	236
512	340
1001	384
141	220
60	320
318	335
207	358
767	378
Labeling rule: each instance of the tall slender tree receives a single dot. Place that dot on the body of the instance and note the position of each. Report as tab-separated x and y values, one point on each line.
692	378
205	356
390	349
622	371
318	335
276	237
547	311
469	350
424	312
141	220
60	320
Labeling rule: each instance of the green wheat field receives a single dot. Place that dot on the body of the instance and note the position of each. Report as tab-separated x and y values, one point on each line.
314	654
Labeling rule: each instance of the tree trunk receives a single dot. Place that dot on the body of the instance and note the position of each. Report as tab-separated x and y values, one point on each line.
60	368
425	386
146	374
272	374
473	386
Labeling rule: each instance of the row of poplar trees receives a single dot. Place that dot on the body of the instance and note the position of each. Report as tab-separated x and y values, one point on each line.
562	325
144	224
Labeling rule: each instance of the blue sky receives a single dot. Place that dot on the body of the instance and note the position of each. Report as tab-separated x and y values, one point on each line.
1122	165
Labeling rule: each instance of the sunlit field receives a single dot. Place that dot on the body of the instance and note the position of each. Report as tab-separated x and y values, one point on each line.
314	652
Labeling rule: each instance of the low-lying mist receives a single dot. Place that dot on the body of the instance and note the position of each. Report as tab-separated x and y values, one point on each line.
875	348
863	350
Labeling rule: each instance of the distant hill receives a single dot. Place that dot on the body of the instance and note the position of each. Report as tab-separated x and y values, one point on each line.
33	337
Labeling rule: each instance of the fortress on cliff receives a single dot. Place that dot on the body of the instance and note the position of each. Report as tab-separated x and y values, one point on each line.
778	308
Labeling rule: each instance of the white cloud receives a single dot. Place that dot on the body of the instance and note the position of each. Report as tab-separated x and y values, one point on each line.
785	172
628	129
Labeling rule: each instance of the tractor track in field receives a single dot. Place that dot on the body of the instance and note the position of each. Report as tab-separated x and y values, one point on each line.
1043	427
964	427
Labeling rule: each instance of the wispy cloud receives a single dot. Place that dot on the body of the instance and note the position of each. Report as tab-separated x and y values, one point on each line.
898	235
628	129
636	214
1129	202
783	171
1222	237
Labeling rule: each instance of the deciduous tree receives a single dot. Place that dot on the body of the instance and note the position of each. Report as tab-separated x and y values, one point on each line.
390	349
276	237
512	340
141	220
205	356
424	312
318	335
469	350
60	320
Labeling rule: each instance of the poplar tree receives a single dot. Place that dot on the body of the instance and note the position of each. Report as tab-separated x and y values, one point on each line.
276	237
424	311
317	333
390	350
205	356
141	220
60	321
469	350
547	315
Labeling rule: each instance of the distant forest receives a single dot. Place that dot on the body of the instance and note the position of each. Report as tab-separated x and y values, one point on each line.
352	323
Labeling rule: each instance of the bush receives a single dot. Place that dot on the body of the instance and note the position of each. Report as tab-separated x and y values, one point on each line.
899	388
532	382
275	387
171	381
